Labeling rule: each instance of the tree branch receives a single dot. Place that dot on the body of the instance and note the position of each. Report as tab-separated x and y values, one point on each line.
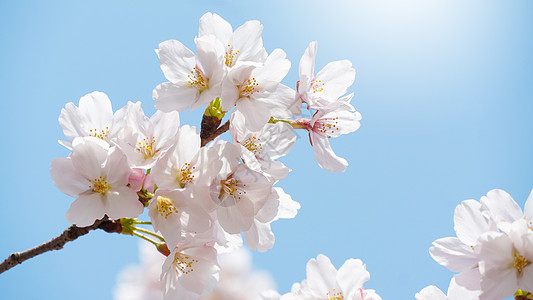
71	233
212	135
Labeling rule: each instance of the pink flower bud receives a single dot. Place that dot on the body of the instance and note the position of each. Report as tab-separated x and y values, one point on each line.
136	179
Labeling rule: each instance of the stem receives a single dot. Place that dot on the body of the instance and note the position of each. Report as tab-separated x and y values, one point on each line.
149	232
220	130
71	233
143	222
145	238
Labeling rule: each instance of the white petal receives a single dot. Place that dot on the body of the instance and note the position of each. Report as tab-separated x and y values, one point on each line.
325	156
247	40
213	24
66	179
528	207
86	209
123	202
431	293
351	276
502	206
176	60
96	107
170	97
259	237
307	62
337	77
256	114
236	218
321	275
469	222
453	254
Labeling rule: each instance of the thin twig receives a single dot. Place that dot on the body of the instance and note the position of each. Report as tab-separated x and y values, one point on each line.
71	233
220	130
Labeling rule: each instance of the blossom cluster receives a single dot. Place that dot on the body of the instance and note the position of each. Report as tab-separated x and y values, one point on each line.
239	281
492	253
203	196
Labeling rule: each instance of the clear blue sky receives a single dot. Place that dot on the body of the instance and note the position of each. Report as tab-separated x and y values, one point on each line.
445	89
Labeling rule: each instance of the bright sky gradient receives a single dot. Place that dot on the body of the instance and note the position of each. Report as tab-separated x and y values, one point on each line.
445	89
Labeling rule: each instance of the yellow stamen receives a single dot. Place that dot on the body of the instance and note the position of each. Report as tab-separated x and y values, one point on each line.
99	185
165	207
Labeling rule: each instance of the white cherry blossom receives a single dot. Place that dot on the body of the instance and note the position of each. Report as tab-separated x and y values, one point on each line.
505	210
144	139
186	164
255	90
333	120
328	85
172	211
92	117
271	142
506	262
194	80
189	271
245	44
325	282
96	174
457	253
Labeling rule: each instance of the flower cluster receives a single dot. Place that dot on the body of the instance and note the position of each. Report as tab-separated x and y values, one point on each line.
492	252
325	282
239	281
203	197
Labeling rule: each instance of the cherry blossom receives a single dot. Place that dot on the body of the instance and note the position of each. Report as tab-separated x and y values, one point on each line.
333	120
506	262
255	90
144	139
325	282
328	85
93	117
271	142
96	174
505	210
194	80
190	270
245	44
172	211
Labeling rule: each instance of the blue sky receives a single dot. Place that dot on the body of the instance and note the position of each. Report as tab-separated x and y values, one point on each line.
444	87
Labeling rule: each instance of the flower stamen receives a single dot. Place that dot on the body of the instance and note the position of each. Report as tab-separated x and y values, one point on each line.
197	80
99	185
519	262
165	207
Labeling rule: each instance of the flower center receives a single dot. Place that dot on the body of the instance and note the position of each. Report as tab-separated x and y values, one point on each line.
326	126
197	80
249	88
146	147
99	185
230	187
185	175
183	263
519	262
165	207
229	57
318	86
334	295
102	134
253	144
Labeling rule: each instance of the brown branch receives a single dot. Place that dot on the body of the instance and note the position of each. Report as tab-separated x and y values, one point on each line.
212	135
71	233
